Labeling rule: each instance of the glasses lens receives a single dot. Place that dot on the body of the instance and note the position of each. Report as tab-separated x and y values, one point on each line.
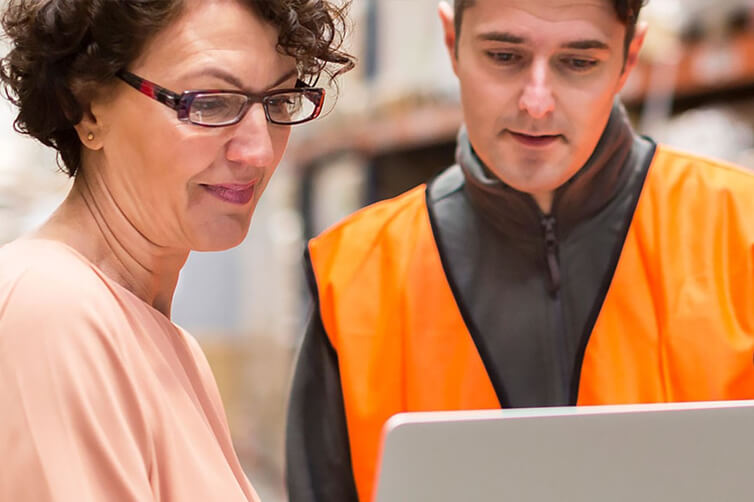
294	106
216	108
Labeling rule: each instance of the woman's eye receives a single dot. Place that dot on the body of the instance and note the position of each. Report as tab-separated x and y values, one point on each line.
282	101
210	104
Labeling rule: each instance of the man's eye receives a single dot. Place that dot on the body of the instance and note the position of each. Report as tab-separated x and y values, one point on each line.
504	57
580	64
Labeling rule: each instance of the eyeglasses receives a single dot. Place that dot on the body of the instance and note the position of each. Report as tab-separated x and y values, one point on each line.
218	108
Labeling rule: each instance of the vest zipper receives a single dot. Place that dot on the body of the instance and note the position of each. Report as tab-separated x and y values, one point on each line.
554	283
551	254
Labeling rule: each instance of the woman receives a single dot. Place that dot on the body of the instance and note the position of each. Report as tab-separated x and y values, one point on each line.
171	115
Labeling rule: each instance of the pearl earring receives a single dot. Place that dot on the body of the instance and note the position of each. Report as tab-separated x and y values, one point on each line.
90	136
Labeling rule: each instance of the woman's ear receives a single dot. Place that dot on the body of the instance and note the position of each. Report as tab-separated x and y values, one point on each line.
89	129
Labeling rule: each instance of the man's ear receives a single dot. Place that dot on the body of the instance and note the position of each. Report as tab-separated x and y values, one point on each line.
89	130
632	56
445	12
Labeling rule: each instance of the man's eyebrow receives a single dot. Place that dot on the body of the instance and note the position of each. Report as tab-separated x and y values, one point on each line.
511	38
501	36
587	44
234	81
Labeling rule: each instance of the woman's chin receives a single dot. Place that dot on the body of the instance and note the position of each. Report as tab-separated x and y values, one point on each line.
221	241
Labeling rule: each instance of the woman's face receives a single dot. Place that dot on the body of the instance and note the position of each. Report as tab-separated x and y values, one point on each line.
181	185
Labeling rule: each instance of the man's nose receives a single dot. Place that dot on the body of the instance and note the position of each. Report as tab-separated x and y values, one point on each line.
251	143
537	99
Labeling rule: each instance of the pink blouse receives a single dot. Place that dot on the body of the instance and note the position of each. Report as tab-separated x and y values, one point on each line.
101	396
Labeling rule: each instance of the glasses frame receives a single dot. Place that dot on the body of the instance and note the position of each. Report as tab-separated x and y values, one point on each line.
181	103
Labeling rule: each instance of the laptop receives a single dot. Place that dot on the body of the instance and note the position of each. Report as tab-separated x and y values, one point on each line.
680	452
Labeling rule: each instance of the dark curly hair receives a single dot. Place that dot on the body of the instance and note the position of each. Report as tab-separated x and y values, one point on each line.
64	51
627	11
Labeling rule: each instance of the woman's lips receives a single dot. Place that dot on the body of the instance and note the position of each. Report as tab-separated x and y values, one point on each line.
232	192
539	141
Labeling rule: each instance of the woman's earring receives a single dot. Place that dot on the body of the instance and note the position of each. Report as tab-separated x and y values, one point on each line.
90	136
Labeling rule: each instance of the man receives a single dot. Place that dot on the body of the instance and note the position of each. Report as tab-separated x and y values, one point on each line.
563	261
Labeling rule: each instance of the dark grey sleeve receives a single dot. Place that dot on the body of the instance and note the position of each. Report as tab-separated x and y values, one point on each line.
318	456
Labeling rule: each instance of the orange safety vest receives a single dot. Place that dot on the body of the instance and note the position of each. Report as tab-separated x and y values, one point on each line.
677	323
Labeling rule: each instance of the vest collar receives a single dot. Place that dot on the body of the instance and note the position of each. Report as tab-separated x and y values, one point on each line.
517	214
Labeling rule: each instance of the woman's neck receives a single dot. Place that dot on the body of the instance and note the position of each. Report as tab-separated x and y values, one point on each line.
92	221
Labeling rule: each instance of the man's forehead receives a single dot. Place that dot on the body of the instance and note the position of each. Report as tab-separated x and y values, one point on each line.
608	5
597	17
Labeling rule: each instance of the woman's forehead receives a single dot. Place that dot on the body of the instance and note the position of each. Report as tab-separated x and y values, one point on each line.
221	32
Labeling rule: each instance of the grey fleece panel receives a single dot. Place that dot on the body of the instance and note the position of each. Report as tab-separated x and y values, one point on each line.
528	339
317	452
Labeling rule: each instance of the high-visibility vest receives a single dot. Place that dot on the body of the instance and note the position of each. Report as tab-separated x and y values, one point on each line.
677	323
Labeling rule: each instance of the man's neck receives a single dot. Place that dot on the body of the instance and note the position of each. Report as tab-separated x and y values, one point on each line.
544	201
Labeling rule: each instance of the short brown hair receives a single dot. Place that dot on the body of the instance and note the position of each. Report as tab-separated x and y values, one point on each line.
63	51
627	11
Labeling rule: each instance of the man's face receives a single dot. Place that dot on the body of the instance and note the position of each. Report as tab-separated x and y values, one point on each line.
538	79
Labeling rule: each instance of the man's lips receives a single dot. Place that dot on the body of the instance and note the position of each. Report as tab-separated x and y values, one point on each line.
235	193
535	140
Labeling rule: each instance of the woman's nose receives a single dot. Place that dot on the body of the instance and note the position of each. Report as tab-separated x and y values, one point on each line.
251	143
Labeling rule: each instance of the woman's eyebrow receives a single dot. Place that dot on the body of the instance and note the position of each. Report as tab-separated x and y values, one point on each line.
289	75
221	74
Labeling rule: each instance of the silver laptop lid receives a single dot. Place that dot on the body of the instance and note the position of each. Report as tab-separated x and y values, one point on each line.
679	452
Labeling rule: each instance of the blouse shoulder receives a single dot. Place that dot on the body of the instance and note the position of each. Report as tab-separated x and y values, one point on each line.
48	266
46	286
